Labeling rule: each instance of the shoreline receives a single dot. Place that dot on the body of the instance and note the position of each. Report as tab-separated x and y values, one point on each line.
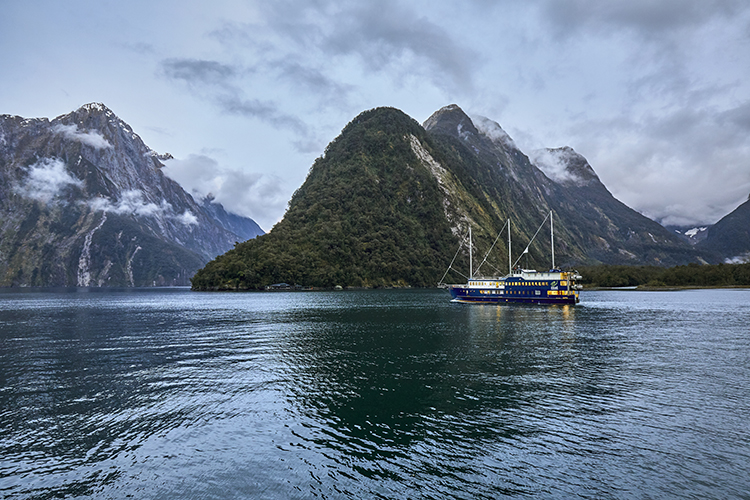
675	288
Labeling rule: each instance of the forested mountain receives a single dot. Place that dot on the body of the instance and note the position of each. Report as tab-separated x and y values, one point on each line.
369	214
390	200
84	202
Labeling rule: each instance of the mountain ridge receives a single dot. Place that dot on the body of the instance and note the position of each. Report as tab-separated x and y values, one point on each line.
586	204
84	202
730	236
419	188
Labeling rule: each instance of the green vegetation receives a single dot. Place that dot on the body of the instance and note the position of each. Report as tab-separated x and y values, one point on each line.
691	275
369	214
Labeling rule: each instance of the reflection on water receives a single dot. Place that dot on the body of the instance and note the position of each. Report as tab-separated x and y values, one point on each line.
398	394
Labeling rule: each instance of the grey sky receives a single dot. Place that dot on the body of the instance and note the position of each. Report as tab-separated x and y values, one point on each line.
245	94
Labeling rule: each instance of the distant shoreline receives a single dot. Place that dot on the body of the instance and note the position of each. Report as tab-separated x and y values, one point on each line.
640	288
645	288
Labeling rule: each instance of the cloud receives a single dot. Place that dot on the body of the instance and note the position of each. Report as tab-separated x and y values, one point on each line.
187	218
133	202
554	164
139	48
46	180
383	37
654	94
738	116
739	259
681	167
221	84
259	196
321	48
646	17
493	130
267	111
199	72
130	202
383	34
93	138
327	90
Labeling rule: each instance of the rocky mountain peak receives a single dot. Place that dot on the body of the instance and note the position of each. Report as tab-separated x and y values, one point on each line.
96	125
451	120
482	137
90	197
93	113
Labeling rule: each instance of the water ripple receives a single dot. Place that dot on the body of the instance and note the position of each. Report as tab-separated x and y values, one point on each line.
373	394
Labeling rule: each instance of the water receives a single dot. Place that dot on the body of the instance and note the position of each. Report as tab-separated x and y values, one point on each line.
372	394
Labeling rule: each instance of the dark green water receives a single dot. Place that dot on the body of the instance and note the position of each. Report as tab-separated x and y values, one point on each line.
373	394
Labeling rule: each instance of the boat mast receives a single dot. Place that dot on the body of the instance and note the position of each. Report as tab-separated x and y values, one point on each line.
471	264
552	238
510	262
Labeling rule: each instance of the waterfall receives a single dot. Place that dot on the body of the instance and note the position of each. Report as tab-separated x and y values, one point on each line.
84	261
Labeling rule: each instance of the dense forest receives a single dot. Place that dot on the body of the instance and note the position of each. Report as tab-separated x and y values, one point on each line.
691	275
369	214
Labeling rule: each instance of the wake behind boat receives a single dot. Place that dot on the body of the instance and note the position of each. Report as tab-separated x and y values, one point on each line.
520	285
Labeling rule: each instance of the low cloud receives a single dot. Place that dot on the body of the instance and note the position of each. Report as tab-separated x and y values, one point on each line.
46	180
687	167
92	138
739	259
493	130
259	196
187	218
133	202
554	164
130	202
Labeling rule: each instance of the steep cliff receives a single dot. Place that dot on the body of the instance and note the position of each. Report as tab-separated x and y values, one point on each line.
83	202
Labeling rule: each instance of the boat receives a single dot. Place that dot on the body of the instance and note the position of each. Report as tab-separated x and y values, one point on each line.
526	286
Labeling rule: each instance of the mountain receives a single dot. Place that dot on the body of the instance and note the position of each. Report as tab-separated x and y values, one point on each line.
389	201
370	213
691	234
730	237
83	201
592	225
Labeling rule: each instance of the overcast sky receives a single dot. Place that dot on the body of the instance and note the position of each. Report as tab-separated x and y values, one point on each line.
246	94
